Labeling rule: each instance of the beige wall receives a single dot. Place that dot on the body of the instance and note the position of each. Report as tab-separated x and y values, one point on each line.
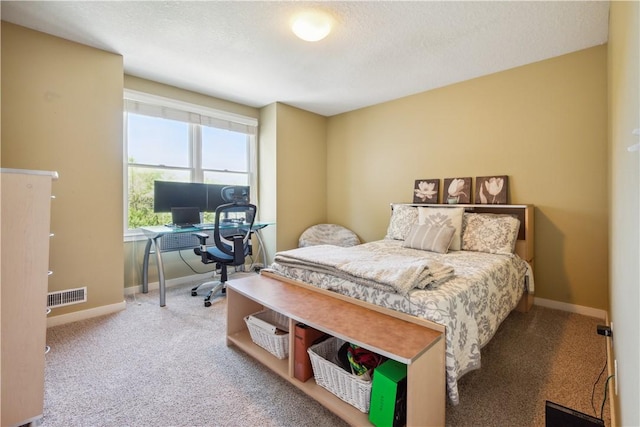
544	125
624	173
301	173
293	173
268	182
62	111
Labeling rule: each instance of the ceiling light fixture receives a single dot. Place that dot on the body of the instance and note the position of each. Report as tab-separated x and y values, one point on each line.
312	25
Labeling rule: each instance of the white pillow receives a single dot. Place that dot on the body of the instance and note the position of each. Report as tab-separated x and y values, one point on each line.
495	234
429	238
402	218
443	217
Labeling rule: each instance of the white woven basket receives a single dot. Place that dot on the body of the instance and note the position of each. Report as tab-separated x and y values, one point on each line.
348	387
276	344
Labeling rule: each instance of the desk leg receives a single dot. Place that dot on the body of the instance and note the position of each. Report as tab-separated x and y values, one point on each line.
160	271
264	249
145	267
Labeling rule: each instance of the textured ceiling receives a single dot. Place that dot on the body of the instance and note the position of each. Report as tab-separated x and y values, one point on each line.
378	51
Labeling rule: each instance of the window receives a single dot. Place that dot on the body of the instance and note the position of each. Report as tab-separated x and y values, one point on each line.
173	141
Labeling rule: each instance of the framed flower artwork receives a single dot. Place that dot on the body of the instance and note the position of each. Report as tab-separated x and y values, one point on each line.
426	191
457	190
492	190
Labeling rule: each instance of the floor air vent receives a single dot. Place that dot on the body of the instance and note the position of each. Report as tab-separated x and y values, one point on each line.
67	297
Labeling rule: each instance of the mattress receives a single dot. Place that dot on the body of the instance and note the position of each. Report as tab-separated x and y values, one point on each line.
471	305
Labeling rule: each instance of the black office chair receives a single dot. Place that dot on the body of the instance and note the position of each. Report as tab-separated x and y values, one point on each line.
231	235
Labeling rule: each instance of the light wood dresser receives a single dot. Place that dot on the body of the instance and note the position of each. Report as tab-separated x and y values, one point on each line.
26	202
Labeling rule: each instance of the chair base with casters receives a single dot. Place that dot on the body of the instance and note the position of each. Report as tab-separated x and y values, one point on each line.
206	259
218	286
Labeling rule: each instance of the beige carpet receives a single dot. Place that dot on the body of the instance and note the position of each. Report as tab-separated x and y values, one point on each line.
152	366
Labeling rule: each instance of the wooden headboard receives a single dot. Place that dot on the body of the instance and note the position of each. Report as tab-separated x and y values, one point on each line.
525	243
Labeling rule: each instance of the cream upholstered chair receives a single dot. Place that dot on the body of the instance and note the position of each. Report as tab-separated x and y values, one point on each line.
328	234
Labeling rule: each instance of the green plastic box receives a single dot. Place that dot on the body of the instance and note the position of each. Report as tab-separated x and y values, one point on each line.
388	406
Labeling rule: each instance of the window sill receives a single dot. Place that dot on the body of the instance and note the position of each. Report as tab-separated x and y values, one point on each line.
134	236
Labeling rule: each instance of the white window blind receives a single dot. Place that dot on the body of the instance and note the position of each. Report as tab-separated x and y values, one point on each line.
140	103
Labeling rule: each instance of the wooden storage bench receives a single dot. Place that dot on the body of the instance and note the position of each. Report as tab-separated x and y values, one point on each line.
415	342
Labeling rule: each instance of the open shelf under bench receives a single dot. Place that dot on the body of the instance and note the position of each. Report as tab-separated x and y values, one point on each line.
415	342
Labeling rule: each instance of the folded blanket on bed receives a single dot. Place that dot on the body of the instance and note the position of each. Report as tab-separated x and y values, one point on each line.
362	265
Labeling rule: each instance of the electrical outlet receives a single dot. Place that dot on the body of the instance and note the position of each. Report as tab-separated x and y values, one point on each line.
615	375
604	330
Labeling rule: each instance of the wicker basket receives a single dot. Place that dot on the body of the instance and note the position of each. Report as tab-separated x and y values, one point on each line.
275	343
348	387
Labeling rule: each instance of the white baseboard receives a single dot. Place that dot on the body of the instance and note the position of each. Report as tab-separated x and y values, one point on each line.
154	286
571	308
178	281
85	314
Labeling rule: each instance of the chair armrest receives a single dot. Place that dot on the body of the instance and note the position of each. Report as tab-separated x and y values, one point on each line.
202	237
238	250
202	250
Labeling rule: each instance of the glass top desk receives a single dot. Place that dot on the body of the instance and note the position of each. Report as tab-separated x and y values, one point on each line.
173	239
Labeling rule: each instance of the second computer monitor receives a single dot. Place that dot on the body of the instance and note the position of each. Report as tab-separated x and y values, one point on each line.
169	194
207	197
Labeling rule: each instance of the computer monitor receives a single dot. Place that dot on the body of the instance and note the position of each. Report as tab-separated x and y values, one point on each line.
207	197
169	194
214	196
186	216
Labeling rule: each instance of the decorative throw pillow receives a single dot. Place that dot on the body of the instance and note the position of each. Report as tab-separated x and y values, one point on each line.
429	238
402	218
443	217
492	233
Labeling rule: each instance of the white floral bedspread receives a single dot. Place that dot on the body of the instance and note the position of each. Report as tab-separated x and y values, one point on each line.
365	265
471	305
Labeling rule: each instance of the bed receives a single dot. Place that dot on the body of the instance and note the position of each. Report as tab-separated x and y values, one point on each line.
465	267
